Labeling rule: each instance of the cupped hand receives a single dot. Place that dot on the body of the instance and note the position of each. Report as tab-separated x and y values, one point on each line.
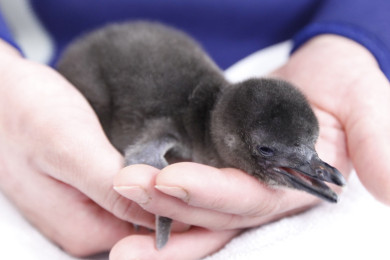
343	79
56	165
350	96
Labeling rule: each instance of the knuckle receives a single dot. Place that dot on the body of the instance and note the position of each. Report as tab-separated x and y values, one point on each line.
128	210
228	222
77	250
118	205
77	243
115	203
262	209
217	203
269	204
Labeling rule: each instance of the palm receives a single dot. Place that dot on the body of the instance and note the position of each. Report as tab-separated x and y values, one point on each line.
342	79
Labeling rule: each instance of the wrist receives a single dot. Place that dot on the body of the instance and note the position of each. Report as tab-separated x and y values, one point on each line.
329	68
335	59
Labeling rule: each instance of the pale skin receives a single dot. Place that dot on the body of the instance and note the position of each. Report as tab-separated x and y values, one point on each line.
59	169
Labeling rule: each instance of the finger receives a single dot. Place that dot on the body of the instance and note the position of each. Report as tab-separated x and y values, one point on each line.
140	188
207	213
196	184
194	244
224	190
367	124
63	214
136	182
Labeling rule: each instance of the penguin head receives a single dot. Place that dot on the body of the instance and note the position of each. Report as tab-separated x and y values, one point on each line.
267	128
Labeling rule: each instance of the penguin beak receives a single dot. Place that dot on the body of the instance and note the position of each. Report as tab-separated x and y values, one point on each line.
310	176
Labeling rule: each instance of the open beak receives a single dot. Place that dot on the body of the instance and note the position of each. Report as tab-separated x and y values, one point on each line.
310	177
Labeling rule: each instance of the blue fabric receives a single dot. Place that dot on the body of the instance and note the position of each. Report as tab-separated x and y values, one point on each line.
367	39
228	29
366	22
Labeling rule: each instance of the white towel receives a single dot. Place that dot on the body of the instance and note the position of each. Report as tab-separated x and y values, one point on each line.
358	227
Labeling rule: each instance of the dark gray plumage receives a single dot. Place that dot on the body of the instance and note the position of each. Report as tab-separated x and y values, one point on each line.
160	98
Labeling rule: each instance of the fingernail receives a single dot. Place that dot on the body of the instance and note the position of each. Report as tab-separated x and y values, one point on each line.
134	193
177	192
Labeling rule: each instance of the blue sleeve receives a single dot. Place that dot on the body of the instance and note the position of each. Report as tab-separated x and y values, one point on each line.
366	22
5	33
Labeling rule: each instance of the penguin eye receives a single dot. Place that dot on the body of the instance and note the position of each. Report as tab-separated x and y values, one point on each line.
266	151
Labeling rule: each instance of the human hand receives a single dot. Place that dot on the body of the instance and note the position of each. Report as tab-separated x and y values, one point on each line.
343	81
56	165
349	95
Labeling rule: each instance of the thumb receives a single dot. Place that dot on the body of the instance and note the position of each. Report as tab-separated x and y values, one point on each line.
367	123
193	244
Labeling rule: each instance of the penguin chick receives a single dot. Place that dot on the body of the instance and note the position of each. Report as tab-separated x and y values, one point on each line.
160	99
267	128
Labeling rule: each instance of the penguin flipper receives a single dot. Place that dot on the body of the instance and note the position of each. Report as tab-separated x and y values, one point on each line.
152	149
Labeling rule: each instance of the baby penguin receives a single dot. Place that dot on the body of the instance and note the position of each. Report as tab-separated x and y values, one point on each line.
161	99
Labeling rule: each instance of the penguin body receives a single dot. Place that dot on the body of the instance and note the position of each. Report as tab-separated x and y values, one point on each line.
129	76
159	97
